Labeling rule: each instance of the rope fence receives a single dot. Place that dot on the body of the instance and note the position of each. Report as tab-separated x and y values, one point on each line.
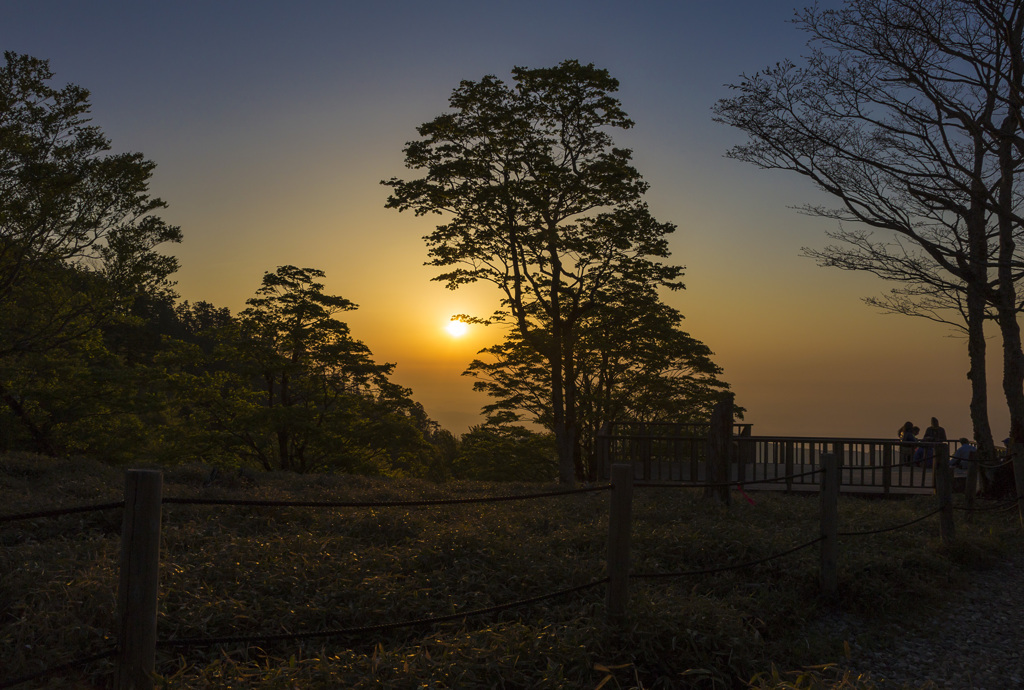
383	627
893	528
143	502
725	485
378	504
58	512
725	568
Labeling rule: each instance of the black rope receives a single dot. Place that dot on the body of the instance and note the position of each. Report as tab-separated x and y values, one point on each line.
720	569
1006	505
779	479
991	466
381	504
700	485
890	529
60	511
58	669
276	637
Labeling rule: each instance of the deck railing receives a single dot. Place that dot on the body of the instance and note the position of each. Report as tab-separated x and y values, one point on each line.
877	465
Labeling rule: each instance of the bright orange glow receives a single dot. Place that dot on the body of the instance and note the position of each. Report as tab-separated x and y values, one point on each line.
456	329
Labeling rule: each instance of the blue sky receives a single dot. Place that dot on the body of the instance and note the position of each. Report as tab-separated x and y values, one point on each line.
272	123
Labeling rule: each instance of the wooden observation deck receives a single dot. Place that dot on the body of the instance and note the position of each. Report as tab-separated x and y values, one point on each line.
666	452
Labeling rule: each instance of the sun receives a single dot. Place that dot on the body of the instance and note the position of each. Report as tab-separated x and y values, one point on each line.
456	329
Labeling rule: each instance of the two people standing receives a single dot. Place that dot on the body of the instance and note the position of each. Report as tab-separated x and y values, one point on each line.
920	455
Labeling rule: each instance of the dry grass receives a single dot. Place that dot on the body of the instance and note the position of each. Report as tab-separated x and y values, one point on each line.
230	571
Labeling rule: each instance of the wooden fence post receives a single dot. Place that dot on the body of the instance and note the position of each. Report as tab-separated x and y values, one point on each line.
137	587
604	442
619	526
720	450
829	523
944	492
971	485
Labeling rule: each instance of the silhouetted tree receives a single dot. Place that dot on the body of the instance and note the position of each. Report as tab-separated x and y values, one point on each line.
66	202
542	205
633	361
78	233
311	368
908	112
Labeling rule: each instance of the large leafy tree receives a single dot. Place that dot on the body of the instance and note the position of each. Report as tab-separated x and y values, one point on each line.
540	203
908	113
67	202
325	402
78	239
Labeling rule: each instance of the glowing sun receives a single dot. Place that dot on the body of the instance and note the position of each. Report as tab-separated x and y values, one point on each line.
456	329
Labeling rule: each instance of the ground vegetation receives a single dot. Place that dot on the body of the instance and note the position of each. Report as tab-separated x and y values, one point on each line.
236	571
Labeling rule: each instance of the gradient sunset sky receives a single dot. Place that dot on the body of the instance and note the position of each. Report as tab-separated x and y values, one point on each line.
272	124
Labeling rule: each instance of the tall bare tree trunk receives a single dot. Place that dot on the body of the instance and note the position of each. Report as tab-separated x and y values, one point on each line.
565	437
1013	356
976	280
977	373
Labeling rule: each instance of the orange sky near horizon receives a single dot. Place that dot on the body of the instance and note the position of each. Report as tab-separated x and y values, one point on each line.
272	125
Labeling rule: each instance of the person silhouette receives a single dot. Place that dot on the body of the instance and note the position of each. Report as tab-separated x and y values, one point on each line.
933	434
960	459
907	437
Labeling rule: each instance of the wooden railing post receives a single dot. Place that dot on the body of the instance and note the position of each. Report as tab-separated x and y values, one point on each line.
619	527
789	466
887	457
720	450
137	587
944	492
829	523
746	454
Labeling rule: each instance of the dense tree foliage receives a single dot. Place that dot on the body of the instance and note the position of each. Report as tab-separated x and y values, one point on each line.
69	211
283	386
506	452
325	401
96	357
78	264
543	205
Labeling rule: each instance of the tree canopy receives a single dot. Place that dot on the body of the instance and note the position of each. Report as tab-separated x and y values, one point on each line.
314	375
68	207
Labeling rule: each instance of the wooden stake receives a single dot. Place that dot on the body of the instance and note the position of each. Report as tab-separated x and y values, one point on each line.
944	492
829	523
619	526
137	589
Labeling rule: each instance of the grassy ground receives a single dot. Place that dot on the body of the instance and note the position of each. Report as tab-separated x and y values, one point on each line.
234	571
